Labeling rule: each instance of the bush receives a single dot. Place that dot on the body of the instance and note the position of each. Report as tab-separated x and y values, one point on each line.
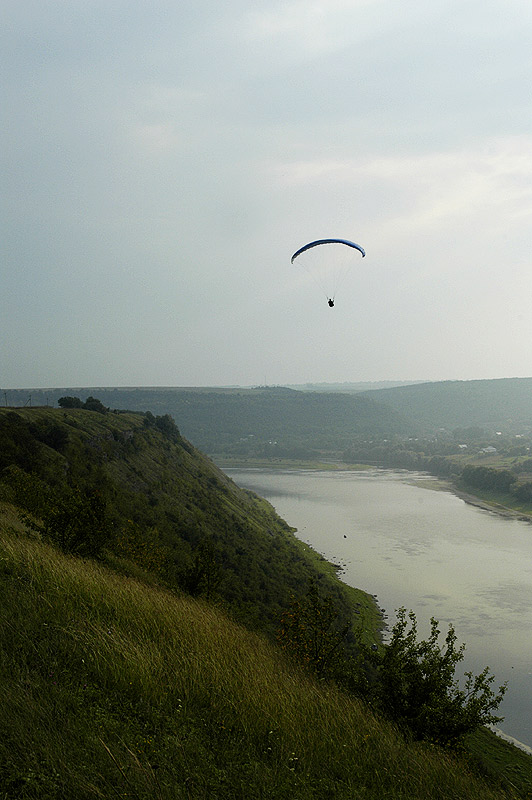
523	492
488	478
412	683
93	404
416	685
17	443
168	428
204	574
70	402
90	404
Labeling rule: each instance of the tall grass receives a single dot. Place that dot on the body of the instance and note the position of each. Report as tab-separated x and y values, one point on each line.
111	689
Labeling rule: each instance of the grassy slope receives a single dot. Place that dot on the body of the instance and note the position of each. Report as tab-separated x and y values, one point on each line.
183	499
46	623
112	688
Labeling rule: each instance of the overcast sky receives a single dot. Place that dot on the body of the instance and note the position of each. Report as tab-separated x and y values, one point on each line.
163	160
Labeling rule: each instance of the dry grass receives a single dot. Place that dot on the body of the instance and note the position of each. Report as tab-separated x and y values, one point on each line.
113	689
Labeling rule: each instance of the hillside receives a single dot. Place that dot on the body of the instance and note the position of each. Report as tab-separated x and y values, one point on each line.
140	594
114	688
267	421
169	509
277	422
501	404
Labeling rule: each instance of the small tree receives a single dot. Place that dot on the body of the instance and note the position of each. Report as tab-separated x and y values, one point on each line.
168	427
70	402
93	404
417	688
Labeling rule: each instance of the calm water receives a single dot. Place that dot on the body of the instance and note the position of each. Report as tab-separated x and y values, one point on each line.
427	550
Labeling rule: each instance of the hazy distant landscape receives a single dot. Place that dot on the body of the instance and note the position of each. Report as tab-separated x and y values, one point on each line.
478	434
293	422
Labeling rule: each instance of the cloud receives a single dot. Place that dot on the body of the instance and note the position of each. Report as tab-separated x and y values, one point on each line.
161	163
310	28
431	190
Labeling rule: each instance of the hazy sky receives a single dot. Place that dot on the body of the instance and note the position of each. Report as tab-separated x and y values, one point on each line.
163	160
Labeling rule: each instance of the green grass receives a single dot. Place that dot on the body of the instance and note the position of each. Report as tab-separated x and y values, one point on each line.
499	501
111	688
176	498
501	760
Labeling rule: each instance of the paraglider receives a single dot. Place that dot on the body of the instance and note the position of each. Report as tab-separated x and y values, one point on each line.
339	263
327	241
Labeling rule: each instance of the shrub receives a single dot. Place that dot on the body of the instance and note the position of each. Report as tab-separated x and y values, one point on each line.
168	428
90	404
17	443
416	685
204	573
487	478
523	492
70	402
93	404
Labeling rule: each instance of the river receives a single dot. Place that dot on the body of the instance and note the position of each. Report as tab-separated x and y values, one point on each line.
399	538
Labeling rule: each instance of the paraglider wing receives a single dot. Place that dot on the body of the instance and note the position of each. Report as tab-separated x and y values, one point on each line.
327	241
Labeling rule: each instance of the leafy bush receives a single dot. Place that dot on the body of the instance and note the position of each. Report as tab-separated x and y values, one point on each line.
488	478
412	683
70	402
165	425
141	544
204	573
17	443
93	404
416	685
523	492
90	404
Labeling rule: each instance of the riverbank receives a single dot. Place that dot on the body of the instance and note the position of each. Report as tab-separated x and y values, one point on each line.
240	462
428	481
387	539
490	505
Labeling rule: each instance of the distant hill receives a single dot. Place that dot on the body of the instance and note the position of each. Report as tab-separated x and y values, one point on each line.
350	386
294	423
503	403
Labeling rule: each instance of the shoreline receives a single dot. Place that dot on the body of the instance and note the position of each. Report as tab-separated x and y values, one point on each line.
473	500
422	480
433	482
493	508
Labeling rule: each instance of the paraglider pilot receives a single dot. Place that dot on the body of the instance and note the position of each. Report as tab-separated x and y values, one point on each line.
330	300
